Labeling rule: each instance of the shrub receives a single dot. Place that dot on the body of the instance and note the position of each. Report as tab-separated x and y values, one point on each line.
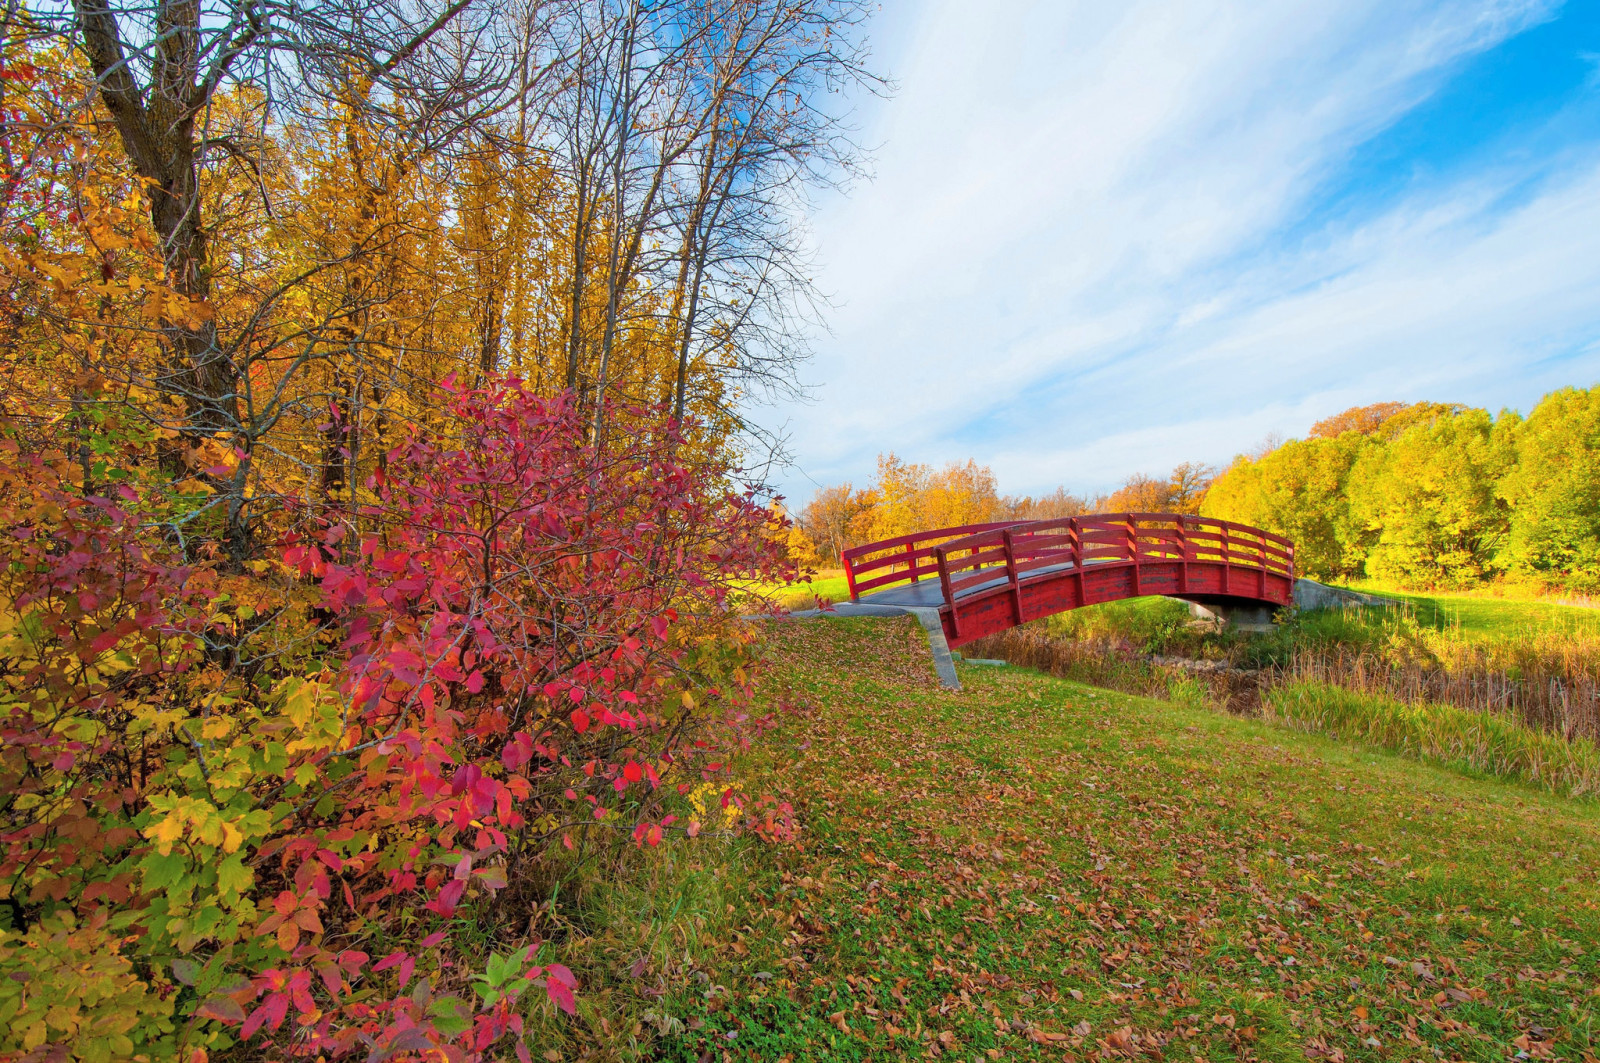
257	804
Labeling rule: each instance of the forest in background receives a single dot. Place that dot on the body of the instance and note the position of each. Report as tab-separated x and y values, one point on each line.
1418	495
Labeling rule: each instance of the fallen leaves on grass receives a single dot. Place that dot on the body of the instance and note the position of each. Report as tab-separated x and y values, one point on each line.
1021	868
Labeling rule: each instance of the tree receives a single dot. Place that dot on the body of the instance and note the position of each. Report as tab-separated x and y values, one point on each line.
1141	494
830	519
1188	485
347	203
1429	500
162	74
960	493
1055	505
1366	420
1553	491
1298	490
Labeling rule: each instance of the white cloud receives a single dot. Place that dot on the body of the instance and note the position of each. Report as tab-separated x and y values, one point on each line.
1070	267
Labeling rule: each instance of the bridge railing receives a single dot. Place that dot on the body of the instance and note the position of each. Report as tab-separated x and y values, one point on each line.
1004	556
980	557
903	559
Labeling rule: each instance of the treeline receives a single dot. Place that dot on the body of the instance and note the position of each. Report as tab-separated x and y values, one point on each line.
1414	494
1433	495
908	497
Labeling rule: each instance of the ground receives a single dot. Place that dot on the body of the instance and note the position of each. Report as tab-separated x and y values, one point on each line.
1032	868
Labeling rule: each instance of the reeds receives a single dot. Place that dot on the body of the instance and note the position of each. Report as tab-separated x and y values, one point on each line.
1488	742
1556	694
1522	705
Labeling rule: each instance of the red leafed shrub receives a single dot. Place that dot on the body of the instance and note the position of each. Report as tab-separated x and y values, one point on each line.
265	799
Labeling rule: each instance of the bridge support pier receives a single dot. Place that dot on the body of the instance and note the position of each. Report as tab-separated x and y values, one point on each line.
943	664
1240	616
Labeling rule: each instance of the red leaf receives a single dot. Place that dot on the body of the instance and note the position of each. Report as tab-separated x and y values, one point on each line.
580	721
253	1023
561	994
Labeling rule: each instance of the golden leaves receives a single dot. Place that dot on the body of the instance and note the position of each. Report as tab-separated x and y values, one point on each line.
180	817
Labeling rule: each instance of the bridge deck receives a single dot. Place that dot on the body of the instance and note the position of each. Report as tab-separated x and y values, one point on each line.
927	593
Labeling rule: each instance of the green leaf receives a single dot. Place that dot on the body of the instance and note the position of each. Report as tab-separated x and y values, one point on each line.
233	876
451	1015
161	872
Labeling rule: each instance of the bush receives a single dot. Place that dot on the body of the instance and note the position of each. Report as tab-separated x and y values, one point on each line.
259	804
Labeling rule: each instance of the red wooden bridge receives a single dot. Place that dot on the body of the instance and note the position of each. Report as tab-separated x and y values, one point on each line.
984	578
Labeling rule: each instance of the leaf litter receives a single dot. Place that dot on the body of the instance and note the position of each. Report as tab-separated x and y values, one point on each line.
1031	869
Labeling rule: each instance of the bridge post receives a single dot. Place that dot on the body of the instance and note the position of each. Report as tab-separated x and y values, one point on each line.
849	574
911	560
1227	562
1183	555
1011	574
1075	536
944	585
1133	553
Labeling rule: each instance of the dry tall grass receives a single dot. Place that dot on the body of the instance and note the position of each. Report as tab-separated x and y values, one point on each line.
1524	706
1557	694
1483	741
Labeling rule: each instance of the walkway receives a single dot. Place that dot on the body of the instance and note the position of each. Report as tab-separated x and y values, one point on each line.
982	579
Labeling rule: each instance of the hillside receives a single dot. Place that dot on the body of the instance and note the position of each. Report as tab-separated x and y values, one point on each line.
1032	868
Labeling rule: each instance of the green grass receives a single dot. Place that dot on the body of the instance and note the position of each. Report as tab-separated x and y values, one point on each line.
1477	616
830	585
1032	868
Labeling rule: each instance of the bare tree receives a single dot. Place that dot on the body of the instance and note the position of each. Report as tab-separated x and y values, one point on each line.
690	132
772	138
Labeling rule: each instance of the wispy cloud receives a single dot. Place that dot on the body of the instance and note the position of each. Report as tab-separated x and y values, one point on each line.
1085	252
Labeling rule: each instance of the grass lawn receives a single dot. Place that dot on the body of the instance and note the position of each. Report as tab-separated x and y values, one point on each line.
1032	868
828	583
1481	616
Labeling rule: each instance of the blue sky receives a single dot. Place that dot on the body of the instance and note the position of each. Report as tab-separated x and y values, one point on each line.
1105	238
